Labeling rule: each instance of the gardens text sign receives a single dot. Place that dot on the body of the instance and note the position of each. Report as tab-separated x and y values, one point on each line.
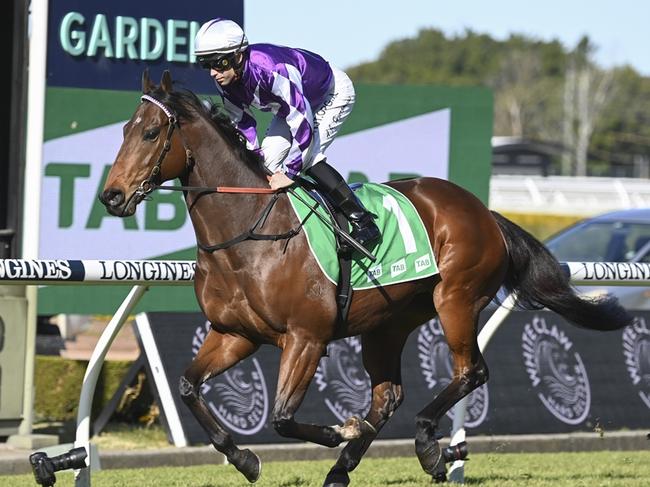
123	37
106	45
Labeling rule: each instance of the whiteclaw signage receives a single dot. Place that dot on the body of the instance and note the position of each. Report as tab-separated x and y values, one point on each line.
636	350
557	373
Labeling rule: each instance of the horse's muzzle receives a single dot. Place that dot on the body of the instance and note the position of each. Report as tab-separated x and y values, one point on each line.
114	201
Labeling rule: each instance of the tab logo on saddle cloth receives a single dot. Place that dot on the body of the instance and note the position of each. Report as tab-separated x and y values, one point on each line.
403	253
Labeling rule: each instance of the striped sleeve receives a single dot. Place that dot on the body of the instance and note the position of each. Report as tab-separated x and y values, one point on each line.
295	109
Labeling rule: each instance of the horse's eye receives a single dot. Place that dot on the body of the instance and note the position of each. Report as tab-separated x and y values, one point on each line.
152	134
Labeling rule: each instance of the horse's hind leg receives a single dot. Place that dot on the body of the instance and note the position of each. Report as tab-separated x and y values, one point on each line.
382	350
218	353
459	319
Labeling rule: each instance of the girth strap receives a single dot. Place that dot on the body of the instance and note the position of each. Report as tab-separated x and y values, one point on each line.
344	288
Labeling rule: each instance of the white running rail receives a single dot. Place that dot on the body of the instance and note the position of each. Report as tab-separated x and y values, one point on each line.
141	274
567	195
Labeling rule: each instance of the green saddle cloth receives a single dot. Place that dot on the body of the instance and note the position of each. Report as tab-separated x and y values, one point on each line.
403	253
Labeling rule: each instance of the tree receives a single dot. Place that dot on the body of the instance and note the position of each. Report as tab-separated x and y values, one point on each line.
525	96
623	135
587	90
542	91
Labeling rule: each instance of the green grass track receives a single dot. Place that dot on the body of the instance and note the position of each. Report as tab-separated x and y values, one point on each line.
592	469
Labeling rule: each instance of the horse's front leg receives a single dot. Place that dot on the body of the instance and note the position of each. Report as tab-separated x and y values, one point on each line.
298	364
218	353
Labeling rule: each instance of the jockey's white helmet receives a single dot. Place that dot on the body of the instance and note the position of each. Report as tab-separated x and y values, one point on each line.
219	36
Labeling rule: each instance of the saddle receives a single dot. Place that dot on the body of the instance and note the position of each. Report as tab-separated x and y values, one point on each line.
403	253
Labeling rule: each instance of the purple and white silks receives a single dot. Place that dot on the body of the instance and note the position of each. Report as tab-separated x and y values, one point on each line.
289	82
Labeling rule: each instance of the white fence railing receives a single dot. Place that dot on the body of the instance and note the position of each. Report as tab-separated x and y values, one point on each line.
567	195
141	274
129	272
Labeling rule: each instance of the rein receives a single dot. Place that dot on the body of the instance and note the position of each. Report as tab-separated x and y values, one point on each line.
220	189
150	184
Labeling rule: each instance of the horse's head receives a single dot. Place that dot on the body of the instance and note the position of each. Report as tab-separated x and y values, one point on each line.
153	150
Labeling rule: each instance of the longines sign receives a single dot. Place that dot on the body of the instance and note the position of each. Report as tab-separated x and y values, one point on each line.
93	44
32	271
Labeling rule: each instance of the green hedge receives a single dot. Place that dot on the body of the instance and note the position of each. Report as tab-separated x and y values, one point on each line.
58	385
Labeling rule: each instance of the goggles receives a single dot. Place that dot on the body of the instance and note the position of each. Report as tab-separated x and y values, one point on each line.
221	64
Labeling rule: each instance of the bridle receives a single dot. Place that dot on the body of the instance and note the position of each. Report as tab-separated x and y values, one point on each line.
151	183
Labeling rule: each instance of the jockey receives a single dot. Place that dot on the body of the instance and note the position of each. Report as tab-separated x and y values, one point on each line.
309	98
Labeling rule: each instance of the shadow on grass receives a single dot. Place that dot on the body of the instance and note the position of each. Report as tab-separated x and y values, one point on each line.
403	480
293	482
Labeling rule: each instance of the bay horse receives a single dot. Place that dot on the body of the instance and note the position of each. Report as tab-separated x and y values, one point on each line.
256	291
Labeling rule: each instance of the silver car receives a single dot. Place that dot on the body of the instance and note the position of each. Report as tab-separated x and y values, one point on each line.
619	236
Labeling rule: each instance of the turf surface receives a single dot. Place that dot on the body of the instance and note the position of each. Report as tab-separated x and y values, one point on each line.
593	469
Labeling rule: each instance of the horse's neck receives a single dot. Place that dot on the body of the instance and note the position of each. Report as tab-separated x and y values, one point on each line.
217	163
220	217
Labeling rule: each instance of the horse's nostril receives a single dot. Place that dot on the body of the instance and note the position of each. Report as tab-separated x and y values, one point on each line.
112	197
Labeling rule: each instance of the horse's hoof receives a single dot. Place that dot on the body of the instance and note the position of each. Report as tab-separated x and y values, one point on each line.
439	478
249	464
337	477
355	427
429	456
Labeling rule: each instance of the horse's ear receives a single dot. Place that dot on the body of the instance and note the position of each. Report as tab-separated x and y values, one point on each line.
147	85
166	81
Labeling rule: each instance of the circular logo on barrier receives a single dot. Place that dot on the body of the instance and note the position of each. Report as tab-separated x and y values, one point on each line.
343	381
437	370
556	373
238	397
636	350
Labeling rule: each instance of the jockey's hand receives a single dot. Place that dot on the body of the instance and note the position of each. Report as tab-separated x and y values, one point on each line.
279	180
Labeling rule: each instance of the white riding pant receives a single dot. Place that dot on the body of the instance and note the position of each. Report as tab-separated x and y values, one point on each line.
328	118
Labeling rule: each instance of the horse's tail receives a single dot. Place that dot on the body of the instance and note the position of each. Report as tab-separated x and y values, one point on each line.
539	281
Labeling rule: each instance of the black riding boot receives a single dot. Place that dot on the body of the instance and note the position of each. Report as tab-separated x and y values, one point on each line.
340	195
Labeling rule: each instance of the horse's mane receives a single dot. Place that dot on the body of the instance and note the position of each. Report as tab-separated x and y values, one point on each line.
188	106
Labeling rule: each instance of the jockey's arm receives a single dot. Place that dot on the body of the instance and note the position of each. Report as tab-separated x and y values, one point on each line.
295	109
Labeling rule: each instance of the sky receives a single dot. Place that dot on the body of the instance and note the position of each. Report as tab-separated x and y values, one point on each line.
348	32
